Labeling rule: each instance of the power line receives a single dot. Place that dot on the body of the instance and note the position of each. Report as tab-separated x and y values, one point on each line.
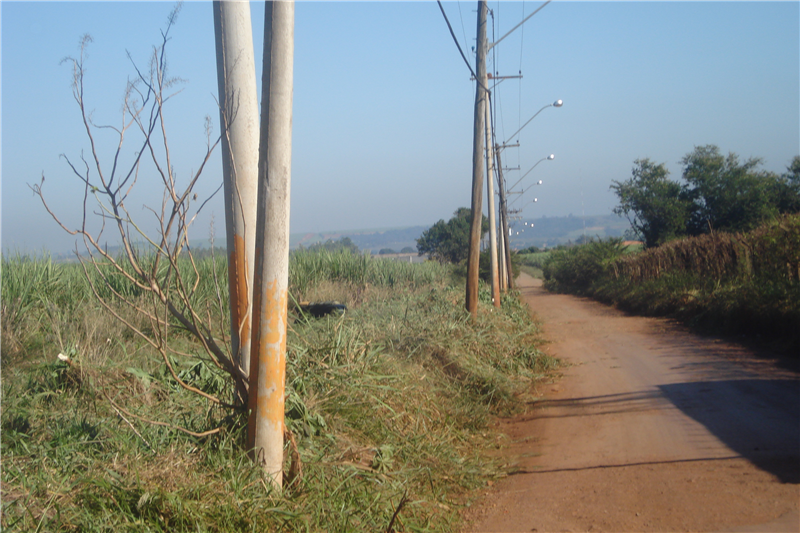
463	30
455	40
497	104
519	104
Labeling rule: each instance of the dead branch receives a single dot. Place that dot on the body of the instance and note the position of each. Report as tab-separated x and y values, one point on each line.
201	434
168	287
400	505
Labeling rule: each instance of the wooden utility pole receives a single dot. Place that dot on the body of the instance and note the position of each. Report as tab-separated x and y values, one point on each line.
478	133
493	272
238	111
271	278
504	220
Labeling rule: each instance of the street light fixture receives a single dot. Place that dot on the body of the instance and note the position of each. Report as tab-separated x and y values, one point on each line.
557	103
548	158
502	181
521	208
526	205
520	193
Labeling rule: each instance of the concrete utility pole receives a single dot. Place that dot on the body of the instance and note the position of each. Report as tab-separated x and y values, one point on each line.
270	294
501	243
504	220
478	133
492	221
238	111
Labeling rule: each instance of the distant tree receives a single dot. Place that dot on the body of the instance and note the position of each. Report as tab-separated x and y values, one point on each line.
530	250
652	203
345	243
793	174
787	188
448	242
385	251
407	250
725	194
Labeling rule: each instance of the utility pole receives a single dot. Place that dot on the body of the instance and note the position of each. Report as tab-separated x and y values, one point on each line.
501	242
238	111
478	133
492	220
504	220
502	236
265	426
482	48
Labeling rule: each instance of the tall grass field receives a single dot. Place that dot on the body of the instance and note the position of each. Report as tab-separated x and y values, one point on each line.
388	405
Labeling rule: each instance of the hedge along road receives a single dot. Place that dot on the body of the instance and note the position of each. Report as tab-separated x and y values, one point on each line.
650	428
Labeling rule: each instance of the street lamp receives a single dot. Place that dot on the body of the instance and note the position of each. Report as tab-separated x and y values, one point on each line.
524	191
526	205
557	103
548	158
523	207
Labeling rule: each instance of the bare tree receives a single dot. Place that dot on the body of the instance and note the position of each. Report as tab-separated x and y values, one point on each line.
158	268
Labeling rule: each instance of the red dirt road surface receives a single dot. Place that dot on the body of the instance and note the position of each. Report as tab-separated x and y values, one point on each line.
650	428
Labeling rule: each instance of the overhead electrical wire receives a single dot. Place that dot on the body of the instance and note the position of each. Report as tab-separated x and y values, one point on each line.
521	38
463	29
519	104
455	40
497	96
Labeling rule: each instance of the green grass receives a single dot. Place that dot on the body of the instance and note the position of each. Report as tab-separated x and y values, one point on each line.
390	400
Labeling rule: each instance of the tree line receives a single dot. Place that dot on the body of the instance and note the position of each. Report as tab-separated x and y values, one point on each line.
717	193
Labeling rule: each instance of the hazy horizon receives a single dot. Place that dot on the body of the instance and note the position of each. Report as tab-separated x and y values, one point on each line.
383	103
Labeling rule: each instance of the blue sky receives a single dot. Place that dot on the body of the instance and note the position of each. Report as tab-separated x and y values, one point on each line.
383	104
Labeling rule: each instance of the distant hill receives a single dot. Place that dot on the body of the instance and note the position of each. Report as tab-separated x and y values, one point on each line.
552	231
541	232
545	231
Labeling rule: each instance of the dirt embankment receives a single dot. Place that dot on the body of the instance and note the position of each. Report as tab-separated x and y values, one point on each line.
650	429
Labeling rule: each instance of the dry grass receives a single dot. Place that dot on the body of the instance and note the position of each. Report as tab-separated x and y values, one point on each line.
771	250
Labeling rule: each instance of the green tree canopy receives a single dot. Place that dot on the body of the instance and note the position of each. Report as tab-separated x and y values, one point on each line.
719	193
727	195
448	242
652	203
787	188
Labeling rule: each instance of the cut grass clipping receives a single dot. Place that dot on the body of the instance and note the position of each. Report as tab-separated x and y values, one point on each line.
388	407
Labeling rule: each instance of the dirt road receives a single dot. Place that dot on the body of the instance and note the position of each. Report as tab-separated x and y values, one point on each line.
650	429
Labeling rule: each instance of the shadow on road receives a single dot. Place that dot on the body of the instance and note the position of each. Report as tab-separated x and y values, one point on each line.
757	418
518	471
607	404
